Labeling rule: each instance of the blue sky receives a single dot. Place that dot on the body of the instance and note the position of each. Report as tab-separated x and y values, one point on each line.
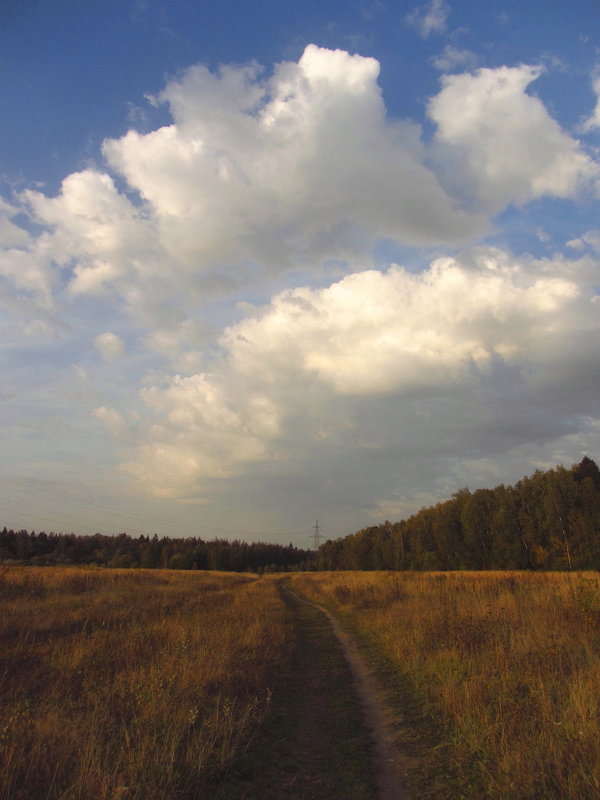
267	262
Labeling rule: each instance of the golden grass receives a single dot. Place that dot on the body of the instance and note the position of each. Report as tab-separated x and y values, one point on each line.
131	684
508	661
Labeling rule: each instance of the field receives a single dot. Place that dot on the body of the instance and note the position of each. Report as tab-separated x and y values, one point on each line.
159	684
131	684
498	675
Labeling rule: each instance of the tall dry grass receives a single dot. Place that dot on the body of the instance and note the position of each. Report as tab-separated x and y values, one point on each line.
130	684
510	662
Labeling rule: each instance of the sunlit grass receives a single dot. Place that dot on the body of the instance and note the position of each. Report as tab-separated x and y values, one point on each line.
509	663
131	684
135	684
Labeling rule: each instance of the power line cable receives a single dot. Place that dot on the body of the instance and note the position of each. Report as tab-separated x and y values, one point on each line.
45	494
198	530
40	493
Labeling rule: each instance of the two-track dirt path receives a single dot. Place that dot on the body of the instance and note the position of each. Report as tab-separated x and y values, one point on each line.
329	734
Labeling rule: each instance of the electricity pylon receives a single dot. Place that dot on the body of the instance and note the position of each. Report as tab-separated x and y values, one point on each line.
316	537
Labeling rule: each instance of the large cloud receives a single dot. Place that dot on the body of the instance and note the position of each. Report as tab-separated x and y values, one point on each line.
472	355
256	175
501	144
397	332
259	174
284	170
334	388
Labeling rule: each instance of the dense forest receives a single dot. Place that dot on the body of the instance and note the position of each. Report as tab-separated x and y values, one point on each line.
548	521
46	549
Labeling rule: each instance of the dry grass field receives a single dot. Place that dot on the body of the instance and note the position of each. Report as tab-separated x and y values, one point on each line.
123	685
131	684
505	667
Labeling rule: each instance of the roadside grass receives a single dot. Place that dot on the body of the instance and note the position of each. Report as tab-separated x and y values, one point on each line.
132	684
496	676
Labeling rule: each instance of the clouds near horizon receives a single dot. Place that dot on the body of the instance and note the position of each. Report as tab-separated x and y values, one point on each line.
300	372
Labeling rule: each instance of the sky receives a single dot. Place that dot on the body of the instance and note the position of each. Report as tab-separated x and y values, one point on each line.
265	263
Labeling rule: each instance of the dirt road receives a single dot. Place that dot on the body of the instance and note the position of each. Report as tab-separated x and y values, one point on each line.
387	760
328	735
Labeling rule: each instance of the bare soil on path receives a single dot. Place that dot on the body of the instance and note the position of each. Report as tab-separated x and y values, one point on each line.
328	735
389	762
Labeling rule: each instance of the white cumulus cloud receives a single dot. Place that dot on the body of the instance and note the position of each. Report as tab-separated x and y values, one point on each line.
261	185
369	362
284	170
504	145
95	230
260	174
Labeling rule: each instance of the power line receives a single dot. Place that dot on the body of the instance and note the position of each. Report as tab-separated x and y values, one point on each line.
131	522
100	514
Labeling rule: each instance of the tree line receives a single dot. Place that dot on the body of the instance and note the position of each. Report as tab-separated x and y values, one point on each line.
123	551
547	521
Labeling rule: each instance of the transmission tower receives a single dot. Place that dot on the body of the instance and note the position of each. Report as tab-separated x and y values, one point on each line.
316	537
